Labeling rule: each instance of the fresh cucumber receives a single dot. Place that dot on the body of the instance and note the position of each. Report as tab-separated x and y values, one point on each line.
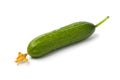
59	38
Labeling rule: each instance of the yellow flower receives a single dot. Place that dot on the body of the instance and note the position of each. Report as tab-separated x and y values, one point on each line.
21	58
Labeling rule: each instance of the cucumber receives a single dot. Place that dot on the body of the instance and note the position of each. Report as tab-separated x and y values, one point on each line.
72	33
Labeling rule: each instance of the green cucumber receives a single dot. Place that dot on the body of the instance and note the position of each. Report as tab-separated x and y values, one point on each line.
72	33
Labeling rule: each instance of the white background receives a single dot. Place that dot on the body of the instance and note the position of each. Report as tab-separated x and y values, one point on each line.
97	58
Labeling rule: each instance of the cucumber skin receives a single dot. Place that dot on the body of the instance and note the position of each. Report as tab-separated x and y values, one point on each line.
59	38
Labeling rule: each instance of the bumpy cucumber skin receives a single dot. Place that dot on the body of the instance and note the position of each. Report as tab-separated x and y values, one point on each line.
59	38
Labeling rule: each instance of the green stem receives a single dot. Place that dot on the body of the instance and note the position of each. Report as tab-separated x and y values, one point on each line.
102	21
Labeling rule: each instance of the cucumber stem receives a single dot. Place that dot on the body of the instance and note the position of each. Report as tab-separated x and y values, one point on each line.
102	21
